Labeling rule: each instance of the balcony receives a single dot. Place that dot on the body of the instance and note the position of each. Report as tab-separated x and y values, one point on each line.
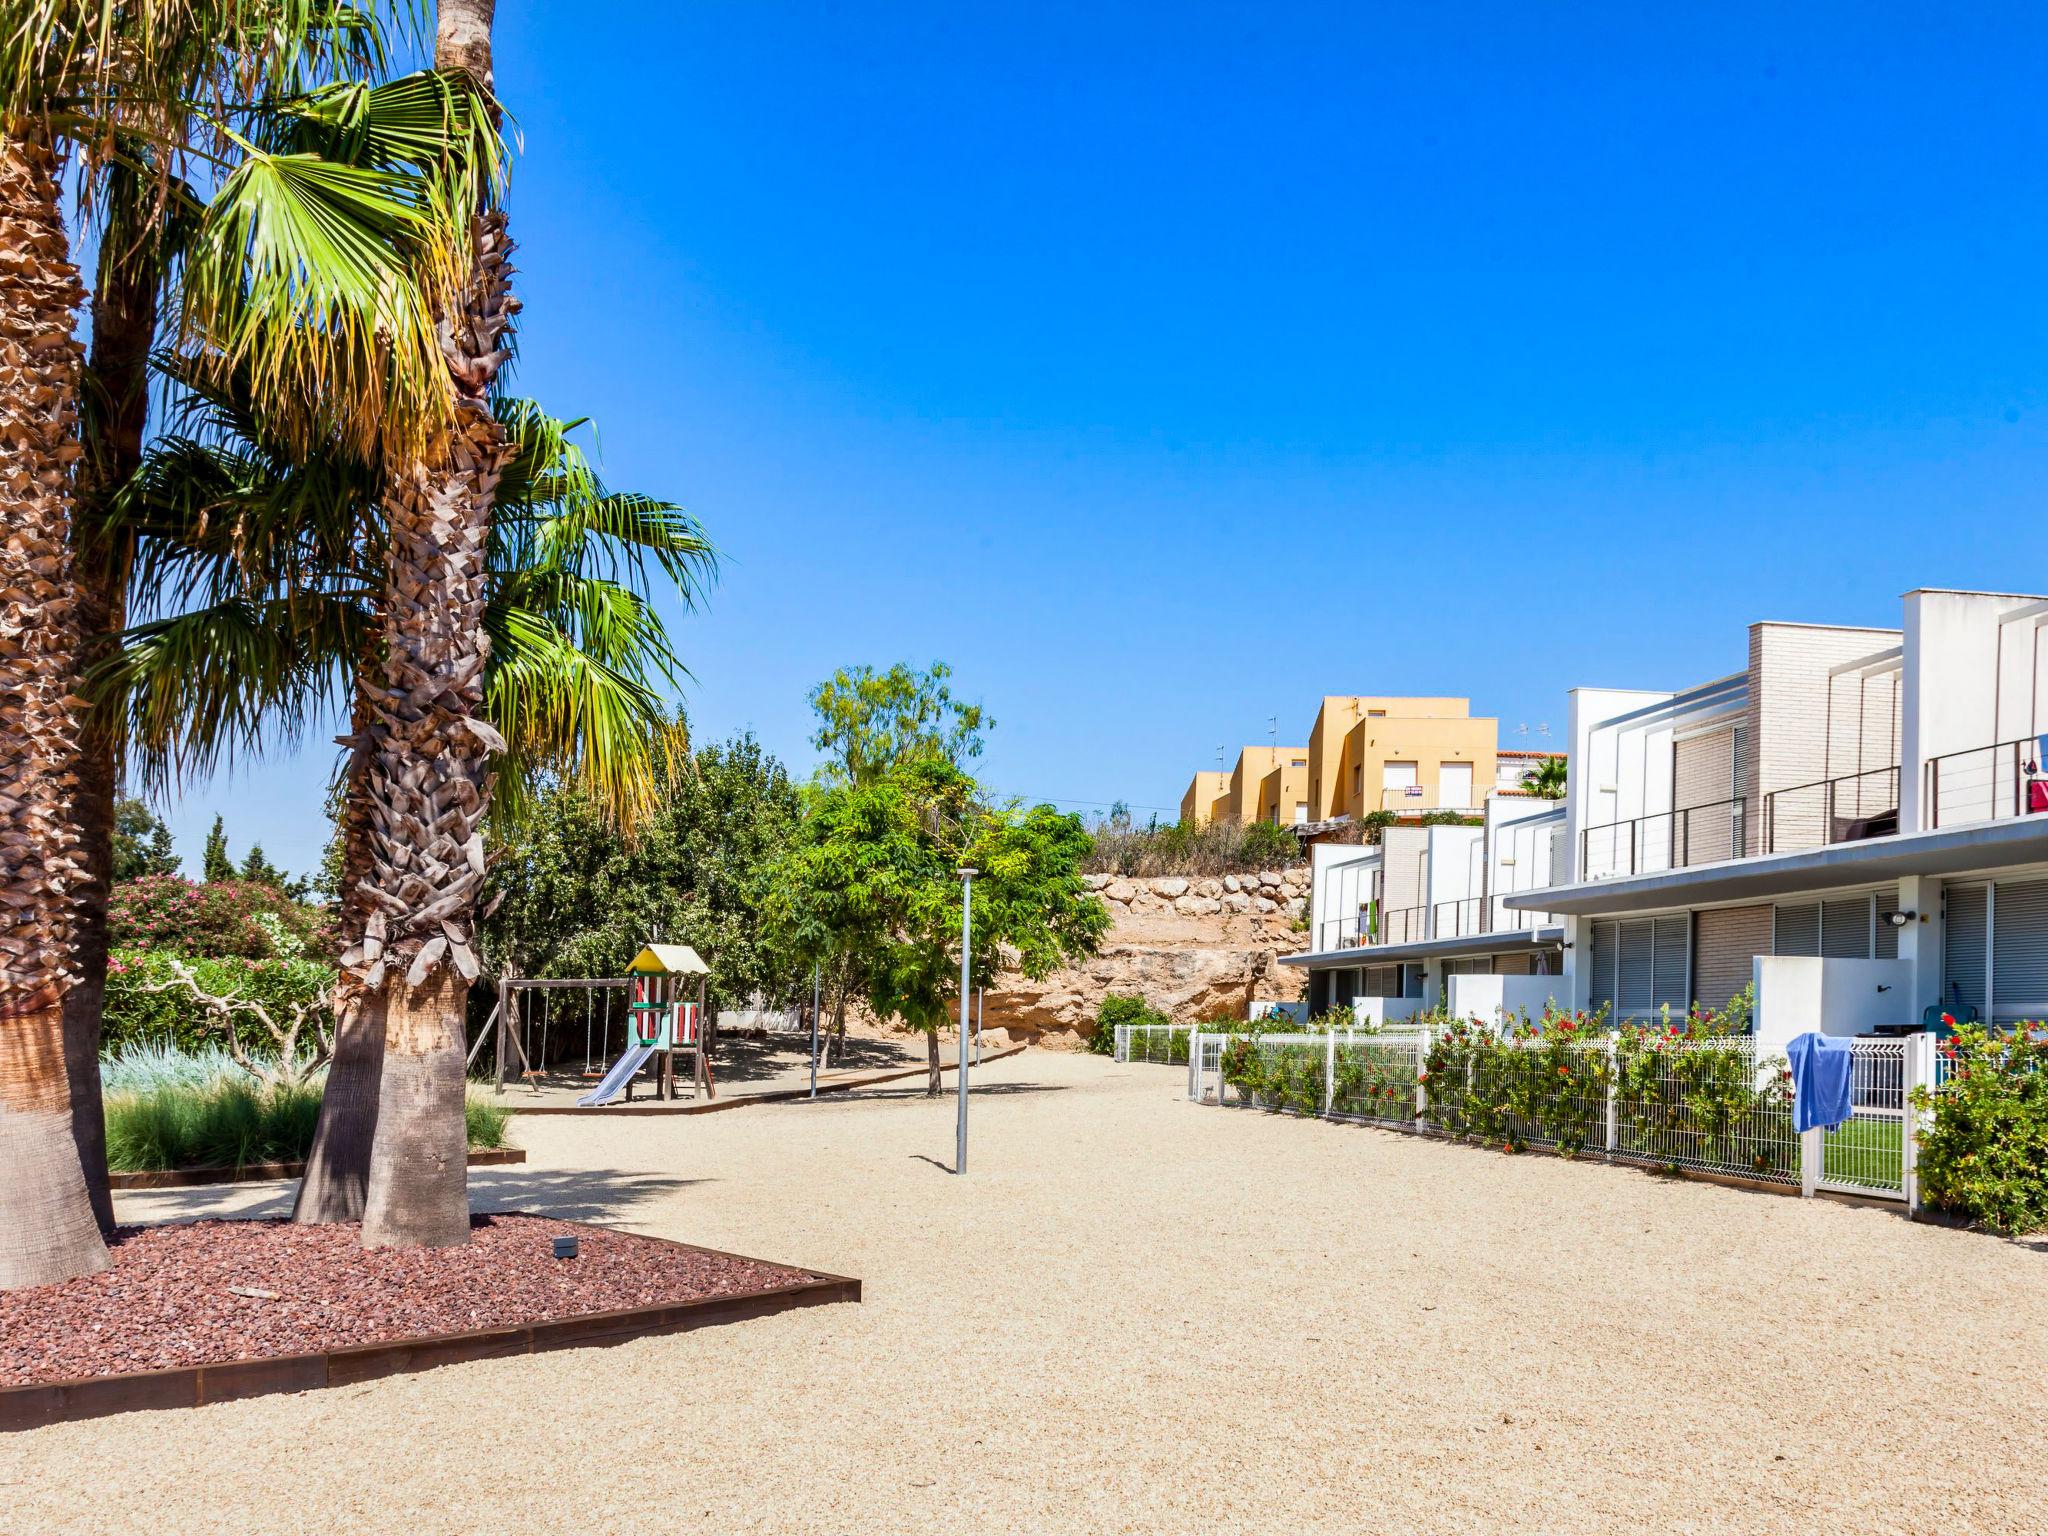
1415	800
1994	783
1847	809
1413	925
1645	845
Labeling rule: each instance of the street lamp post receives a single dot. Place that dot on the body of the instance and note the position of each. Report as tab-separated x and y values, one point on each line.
817	1003
967	874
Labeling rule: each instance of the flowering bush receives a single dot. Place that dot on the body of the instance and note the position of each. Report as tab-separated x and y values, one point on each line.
1985	1156
225	917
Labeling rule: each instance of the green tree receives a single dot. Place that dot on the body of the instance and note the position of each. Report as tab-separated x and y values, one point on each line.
258	870
142	843
576	898
215	864
869	721
1546	779
872	882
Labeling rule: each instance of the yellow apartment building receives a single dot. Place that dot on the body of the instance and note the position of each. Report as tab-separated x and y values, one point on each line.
1268	784
1399	754
1207	798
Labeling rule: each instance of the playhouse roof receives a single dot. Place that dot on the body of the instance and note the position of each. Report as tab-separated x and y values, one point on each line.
668	960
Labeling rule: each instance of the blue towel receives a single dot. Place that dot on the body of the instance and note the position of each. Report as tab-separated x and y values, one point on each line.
1820	1080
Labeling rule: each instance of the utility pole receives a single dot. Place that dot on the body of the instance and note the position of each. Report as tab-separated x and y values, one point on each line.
817	1006
967	874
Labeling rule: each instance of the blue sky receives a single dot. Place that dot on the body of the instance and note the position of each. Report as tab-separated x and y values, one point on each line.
1164	368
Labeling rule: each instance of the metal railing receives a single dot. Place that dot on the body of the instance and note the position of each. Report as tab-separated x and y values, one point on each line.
1455	919
1403	925
1695	834
1993	783
1845	809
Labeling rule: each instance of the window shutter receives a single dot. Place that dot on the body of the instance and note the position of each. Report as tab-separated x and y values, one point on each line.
1964	947
1602	992
1668	962
1887	935
1845	929
1638	984
1797	931
2019	950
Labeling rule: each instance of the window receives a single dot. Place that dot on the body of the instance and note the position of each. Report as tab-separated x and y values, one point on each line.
1454	784
1399	784
1300	812
1641	964
1841	929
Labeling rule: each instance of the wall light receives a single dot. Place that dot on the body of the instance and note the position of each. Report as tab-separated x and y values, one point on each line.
1900	919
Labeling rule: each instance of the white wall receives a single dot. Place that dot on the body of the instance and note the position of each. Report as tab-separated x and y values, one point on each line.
1518	855
1595	764
1968	682
1797	993
1295	1011
1378	1012
1495	999
1340	878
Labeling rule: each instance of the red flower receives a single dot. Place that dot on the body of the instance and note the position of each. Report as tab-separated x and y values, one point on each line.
1949	1019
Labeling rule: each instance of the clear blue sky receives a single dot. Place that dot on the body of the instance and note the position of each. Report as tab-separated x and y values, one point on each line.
1165	367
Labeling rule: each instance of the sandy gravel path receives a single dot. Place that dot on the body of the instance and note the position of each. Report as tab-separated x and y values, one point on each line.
1137	1314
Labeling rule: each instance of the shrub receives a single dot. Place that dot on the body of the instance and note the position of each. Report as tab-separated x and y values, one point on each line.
1986	1154
1184	848
1116	1010
136	1016
221	918
171	1108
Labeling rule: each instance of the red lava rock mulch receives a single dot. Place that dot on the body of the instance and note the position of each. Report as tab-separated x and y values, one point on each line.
171	1299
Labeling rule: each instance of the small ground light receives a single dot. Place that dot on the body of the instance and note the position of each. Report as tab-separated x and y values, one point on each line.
565	1247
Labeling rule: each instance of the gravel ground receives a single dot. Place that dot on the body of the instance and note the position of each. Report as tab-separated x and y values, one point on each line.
193	1293
1136	1314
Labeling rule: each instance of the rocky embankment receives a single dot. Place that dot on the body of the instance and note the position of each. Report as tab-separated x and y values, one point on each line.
1195	948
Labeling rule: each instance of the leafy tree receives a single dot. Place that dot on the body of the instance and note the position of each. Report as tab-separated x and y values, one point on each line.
258	870
142	843
579	899
1546	779
872	882
869	721
214	863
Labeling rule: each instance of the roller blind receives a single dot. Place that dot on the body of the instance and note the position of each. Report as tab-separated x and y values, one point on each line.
1670	962
1887	935
1602	992
1797	930
1637	989
1845	929
2019	950
1964	948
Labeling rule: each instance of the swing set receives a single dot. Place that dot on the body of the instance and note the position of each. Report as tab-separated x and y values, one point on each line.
658	1025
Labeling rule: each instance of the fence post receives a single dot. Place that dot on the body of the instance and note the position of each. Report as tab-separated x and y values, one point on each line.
1613	1102
1919	1073
1330	1072
1194	1066
1421	1066
1812	1159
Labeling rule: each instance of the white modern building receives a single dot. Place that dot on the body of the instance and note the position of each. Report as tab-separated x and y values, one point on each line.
1413	920
1853	822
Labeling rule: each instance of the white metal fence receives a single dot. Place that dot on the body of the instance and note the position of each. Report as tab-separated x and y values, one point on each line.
1713	1106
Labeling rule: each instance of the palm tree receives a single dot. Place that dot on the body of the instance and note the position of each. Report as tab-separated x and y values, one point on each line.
1546	779
106	76
267	572
430	750
146	215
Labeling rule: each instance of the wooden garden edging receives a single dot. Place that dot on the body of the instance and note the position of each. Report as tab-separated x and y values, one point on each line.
258	1173
42	1403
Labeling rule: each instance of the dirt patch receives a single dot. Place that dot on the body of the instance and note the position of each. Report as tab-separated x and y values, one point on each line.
212	1291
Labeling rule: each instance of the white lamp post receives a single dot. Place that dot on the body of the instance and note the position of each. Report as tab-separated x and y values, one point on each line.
967	874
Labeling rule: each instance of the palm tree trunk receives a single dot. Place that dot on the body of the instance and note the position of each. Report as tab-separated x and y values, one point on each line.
47	1229
430	776
419	1168
124	316
337	1178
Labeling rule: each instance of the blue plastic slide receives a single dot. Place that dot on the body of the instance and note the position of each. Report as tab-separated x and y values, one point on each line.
615	1080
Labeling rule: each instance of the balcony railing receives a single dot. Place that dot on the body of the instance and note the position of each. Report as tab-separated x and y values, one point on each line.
1828	811
1455	919
1414	799
1411	925
1642	845
1994	783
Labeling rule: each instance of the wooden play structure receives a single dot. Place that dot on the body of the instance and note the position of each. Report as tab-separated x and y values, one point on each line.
661	1024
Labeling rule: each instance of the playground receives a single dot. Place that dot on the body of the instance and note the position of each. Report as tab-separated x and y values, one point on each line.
1137	1314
